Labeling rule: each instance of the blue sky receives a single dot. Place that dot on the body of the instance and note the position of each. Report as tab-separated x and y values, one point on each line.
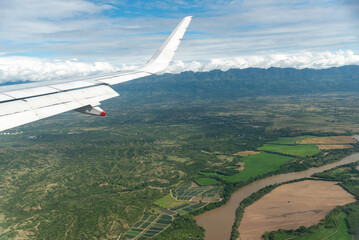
60	38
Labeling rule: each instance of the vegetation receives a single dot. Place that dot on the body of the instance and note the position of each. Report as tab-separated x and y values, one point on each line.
342	222
339	232
149	226
297	150
255	165
245	203
183	228
290	140
85	177
168	202
206	181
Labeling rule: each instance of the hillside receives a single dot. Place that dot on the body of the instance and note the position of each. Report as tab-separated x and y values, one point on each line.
249	82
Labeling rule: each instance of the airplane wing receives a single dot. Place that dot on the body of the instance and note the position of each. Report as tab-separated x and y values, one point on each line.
29	102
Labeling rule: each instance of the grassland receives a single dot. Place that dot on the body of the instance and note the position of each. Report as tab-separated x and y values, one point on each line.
290	140
297	150
338	233
168	202
206	181
255	165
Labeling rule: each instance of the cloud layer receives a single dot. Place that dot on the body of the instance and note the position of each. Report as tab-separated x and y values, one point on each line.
318	60
106	34
114	30
36	69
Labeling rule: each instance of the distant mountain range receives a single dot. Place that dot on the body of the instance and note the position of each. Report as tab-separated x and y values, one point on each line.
246	82
250	82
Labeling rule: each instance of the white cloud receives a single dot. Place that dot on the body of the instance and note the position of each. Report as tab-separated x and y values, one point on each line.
37	69
295	60
116	32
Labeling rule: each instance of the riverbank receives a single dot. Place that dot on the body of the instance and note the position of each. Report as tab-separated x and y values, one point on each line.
218	222
291	206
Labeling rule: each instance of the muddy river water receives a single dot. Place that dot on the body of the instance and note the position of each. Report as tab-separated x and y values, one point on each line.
218	222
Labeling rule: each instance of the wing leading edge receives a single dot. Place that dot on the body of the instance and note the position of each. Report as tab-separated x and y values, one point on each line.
25	103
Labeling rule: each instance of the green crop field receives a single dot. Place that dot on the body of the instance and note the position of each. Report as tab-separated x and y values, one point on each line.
255	165
290	140
206	181
297	150
168	202
338	233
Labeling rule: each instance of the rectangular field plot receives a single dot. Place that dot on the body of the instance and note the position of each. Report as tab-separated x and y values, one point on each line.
146	224
167	211
160	225
194	207
206	181
165	217
184	198
164	221
185	208
138	224
152	218
179	207
184	187
291	140
296	150
185	193
149	226
145	217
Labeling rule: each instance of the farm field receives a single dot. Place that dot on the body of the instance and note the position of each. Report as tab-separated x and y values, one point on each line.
341	222
189	197
255	165
290	140
331	147
246	153
148	226
190	192
168	202
297	150
338	233
206	181
290	206
328	140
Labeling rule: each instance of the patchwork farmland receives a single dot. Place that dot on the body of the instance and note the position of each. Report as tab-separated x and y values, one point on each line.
149	226
186	198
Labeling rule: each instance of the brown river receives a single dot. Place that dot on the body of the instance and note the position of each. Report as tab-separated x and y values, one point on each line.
218	222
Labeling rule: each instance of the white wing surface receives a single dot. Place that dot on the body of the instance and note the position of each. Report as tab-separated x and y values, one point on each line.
25	103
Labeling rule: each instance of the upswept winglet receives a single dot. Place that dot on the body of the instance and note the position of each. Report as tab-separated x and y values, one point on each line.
162	58
158	62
